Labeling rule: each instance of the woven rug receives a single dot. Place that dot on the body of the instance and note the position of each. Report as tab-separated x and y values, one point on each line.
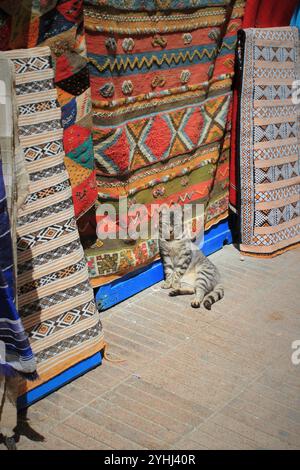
269	149
161	74
55	299
59	25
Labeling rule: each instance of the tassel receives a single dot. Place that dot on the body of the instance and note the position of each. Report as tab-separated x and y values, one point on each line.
108	358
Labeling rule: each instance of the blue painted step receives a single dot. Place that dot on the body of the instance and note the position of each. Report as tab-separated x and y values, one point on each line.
59	381
129	285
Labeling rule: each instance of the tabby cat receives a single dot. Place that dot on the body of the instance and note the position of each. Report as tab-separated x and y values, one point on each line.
187	270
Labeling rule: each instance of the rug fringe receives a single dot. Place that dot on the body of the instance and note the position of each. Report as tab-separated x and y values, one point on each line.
273	254
108	358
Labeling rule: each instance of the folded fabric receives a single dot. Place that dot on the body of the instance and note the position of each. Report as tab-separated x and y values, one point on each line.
15	175
16	356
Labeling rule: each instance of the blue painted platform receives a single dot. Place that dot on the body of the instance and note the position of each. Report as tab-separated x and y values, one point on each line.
59	381
129	285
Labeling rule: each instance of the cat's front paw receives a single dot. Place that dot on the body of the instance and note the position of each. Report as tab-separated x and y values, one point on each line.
195	303
166	284
174	292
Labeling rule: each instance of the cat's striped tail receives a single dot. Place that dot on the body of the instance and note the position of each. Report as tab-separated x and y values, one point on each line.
213	296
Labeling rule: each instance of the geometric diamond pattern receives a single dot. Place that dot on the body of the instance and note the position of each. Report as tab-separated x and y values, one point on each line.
50	149
32	108
40	128
275	131
276	216
34	87
277	172
31	64
51	232
272	92
142	142
274	54
67	344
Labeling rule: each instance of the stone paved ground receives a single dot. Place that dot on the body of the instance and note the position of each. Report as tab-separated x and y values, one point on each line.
192	379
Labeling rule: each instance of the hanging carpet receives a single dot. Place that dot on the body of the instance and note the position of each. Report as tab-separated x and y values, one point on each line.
269	141
161	75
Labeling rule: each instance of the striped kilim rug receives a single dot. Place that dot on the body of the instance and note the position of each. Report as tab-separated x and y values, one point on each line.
161	74
257	14
55	299
269	150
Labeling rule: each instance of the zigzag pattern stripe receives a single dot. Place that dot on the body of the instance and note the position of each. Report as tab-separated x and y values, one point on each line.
136	62
121	63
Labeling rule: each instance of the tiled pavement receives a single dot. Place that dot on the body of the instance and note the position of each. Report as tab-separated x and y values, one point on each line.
192	379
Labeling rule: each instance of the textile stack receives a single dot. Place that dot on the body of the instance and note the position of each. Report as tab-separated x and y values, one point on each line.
52	119
55	300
